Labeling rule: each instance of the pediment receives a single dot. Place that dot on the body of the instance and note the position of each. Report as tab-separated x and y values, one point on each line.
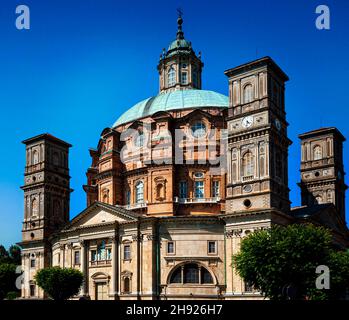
101	213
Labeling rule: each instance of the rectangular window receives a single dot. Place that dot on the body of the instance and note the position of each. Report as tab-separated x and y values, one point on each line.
183	189
215	189
93	255
108	254
128	197
58	258
212	247
170	247
127	252
32	290
184	78
248	287
199	189
76	257
32	263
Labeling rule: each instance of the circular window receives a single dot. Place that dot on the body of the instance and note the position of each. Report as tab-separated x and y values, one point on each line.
247	203
248	188
198	129
32	235
317	174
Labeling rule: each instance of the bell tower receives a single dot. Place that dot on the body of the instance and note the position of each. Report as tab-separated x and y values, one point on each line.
257	138
322	170
179	67
46	187
46	204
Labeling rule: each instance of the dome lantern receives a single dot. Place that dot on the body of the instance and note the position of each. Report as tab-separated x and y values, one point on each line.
179	67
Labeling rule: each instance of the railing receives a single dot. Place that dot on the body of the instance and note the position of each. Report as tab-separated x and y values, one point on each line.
197	200
100	262
135	206
247	178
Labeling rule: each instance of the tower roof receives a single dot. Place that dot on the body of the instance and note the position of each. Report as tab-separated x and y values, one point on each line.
46	136
320	132
180	44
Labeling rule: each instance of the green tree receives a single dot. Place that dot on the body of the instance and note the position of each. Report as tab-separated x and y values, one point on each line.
4	256
8	278
59	283
286	257
15	254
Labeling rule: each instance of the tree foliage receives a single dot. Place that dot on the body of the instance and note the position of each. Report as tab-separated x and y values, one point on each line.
9	260
59	283
282	257
8	278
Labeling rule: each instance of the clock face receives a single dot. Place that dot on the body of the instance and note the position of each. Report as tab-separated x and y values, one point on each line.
277	124
247	121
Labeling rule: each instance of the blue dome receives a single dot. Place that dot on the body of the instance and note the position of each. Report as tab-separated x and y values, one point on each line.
176	100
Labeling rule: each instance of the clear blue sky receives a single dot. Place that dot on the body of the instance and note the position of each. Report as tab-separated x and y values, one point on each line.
84	62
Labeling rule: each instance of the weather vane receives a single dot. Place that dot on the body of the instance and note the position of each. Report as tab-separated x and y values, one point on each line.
180	12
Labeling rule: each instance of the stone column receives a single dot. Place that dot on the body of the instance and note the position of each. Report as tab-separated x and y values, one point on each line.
115	267
62	255
84	267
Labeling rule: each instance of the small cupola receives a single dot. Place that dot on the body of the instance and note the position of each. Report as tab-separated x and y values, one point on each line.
179	67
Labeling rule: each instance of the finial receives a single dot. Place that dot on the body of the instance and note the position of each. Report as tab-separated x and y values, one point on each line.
180	34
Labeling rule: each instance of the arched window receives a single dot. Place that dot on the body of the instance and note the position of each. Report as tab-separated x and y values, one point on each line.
171	77
317	152
35	157
55	159
160	191
35	207
261	166
234	172
127	284
139	142
248	93
247	164
191	273
140	192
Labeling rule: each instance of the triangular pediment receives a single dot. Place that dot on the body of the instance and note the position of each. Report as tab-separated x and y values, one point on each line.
101	213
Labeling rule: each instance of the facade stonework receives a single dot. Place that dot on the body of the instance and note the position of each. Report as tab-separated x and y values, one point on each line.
176	184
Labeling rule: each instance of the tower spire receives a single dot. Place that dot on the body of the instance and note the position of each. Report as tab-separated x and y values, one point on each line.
180	34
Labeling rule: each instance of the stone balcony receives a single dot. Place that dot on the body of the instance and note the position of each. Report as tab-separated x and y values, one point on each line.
196	200
135	206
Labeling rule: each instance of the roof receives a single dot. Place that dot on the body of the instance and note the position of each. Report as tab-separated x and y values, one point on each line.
176	100
321	131
256	64
305	211
46	136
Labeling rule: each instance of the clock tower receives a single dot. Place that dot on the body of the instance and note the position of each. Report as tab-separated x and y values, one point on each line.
257	138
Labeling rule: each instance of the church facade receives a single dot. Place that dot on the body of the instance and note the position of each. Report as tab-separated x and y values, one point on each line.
175	185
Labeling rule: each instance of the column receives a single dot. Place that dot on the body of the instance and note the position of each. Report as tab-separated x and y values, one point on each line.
84	267
114	264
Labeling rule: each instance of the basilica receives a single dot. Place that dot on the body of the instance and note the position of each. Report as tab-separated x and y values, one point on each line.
176	183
